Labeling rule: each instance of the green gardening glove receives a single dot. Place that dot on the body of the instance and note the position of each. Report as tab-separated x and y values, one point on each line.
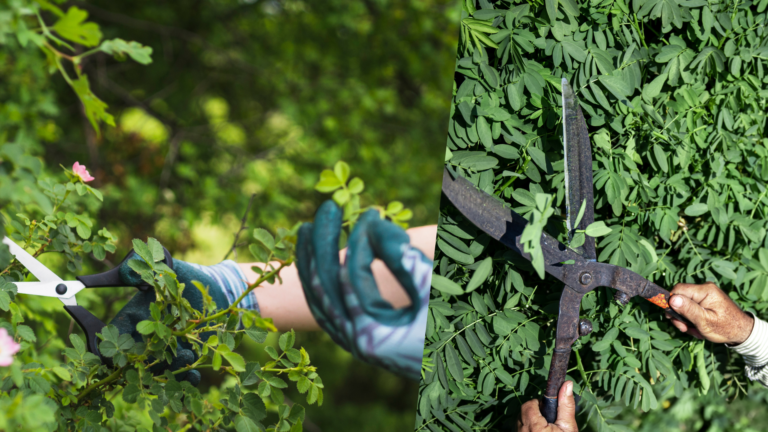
225	282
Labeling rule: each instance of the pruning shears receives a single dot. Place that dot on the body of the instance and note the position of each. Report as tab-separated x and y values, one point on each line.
577	268
51	285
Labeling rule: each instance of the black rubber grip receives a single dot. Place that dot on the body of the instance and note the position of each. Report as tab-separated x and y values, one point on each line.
549	409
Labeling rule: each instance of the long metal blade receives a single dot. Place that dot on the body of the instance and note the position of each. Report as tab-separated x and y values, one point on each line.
578	169
48	289
503	224
38	270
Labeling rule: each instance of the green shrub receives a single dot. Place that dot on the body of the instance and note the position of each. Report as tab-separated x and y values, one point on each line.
674	94
53	383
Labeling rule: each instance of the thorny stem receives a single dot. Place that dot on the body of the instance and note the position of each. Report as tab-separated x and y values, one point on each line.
112	377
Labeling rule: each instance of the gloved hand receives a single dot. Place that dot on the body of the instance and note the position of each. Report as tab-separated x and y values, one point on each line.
345	300
225	282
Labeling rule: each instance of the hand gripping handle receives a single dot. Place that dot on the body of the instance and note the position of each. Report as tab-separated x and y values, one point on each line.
660	297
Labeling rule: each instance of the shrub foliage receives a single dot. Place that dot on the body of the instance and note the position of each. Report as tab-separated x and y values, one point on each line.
674	93
54	383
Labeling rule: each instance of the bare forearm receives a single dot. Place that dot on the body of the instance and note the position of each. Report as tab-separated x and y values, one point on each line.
285	302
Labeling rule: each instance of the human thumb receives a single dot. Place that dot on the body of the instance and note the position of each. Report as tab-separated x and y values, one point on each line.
688	309
566	409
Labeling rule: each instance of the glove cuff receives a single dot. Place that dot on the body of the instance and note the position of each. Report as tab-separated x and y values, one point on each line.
232	281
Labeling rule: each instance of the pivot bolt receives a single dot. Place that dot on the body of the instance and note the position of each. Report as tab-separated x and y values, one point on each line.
585	278
585	327
621	297
61	289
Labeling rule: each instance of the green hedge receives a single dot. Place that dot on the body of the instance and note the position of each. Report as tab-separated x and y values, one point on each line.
674	93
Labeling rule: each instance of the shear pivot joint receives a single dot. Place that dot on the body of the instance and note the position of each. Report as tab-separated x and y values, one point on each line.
585	278
61	289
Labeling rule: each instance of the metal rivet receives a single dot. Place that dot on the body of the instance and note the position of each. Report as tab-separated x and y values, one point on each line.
61	289
585	279
585	327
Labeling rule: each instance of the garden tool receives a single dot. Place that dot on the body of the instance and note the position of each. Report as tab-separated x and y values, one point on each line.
51	285
577	268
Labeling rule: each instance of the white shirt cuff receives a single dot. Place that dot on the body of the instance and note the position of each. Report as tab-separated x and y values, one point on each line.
755	348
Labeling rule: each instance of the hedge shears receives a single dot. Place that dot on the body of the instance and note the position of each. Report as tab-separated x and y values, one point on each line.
577	268
51	285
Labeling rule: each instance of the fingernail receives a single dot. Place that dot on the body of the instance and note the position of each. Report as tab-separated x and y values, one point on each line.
676	301
569	388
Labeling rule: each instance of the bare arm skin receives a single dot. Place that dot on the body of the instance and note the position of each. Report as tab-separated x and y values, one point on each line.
286	305
716	317
531	420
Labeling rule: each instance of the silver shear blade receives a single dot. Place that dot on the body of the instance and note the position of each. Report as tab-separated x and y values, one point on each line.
38	270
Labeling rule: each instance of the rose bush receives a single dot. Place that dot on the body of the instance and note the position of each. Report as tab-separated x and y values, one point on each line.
48	381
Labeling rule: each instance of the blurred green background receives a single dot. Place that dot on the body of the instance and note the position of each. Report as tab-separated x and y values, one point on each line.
250	97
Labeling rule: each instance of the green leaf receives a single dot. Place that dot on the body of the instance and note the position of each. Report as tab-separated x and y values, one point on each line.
120	48
480	275
341	170
597	229
637	332
216	362
95	108
697	209
484	132
62	373
668	52
328	182
446	285
254	407
551	6
538	157
245	424
258	335
25	333
72	26
5	301
454	363
264	237
356	185
661	157
286	340
145	327
653	89
235	359
490	75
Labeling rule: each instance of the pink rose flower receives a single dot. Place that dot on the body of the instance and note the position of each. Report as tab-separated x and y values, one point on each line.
82	172
8	347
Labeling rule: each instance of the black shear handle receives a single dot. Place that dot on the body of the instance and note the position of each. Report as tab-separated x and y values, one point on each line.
111	278
557	371
90	325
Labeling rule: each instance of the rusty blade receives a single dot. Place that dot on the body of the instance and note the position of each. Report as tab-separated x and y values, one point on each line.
502	224
578	169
